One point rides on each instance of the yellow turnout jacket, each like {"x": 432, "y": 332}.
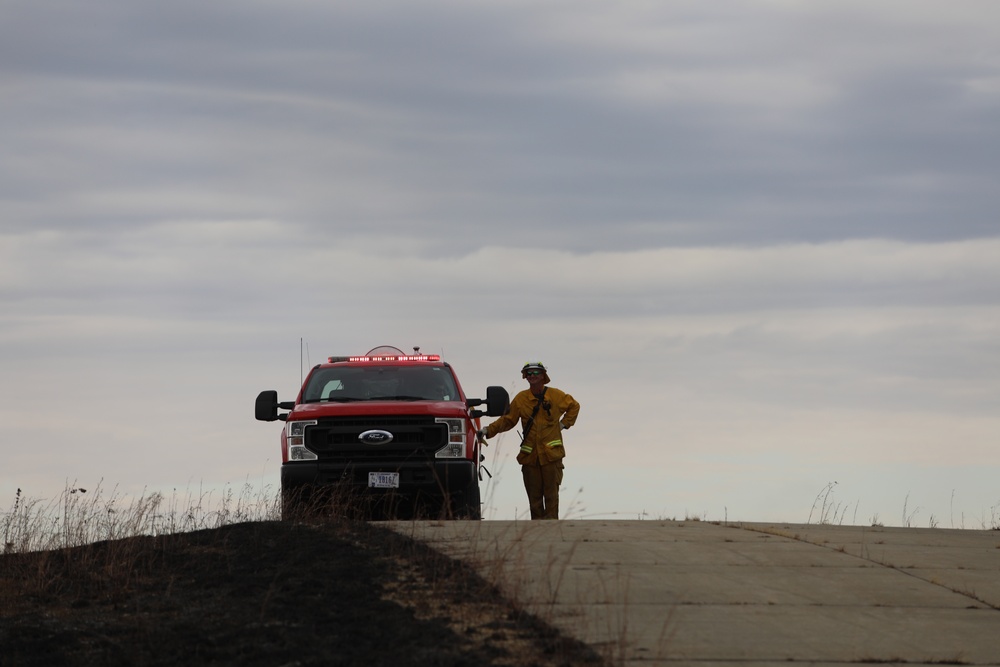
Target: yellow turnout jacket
{"x": 544, "y": 443}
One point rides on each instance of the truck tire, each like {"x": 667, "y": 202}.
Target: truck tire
{"x": 296, "y": 503}
{"x": 468, "y": 505}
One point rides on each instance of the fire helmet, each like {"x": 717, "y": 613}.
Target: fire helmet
{"x": 535, "y": 366}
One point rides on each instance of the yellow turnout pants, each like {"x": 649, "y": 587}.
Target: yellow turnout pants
{"x": 542, "y": 484}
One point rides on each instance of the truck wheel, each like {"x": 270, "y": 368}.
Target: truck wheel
{"x": 292, "y": 503}
{"x": 468, "y": 505}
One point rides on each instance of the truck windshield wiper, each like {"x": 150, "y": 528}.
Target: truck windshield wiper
{"x": 397, "y": 398}
{"x": 333, "y": 399}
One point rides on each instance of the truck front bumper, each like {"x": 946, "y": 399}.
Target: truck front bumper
{"x": 418, "y": 482}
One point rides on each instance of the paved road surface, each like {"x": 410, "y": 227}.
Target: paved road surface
{"x": 698, "y": 593}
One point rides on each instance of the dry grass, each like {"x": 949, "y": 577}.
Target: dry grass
{"x": 81, "y": 516}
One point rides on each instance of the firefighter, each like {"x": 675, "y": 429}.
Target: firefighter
{"x": 544, "y": 413}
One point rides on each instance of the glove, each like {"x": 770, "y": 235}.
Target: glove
{"x": 481, "y": 434}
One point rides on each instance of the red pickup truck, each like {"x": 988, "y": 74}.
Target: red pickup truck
{"x": 389, "y": 434}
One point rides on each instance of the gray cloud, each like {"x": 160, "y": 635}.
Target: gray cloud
{"x": 774, "y": 125}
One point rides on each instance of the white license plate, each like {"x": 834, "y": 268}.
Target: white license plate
{"x": 383, "y": 480}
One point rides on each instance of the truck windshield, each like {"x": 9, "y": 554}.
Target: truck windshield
{"x": 373, "y": 383}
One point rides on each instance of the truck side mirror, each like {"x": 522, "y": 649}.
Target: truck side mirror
{"x": 497, "y": 401}
{"x": 266, "y": 408}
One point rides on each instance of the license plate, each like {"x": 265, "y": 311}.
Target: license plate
{"x": 383, "y": 480}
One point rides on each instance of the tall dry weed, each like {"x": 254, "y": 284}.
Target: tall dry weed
{"x": 80, "y": 516}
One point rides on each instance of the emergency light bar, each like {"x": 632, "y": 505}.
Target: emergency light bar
{"x": 395, "y": 357}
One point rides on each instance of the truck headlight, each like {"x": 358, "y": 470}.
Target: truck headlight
{"x": 296, "y": 439}
{"x": 455, "y": 449}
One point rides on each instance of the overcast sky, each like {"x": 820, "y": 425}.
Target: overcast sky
{"x": 758, "y": 241}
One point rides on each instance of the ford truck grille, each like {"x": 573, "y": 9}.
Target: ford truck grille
{"x": 335, "y": 439}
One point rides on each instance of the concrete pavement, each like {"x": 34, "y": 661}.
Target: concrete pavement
{"x": 698, "y": 593}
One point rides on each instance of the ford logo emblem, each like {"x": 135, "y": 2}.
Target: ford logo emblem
{"x": 375, "y": 437}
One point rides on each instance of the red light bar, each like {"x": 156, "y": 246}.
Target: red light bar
{"x": 400, "y": 357}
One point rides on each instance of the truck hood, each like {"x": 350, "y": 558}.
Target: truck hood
{"x": 367, "y": 408}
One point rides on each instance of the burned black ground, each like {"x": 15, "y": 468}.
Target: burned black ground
{"x": 264, "y": 593}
